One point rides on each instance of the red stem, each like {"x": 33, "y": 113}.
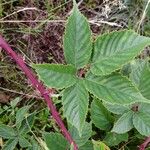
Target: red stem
{"x": 144, "y": 144}
{"x": 44, "y": 93}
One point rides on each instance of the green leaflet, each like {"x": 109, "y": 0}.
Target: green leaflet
{"x": 115, "y": 49}
{"x": 23, "y": 142}
{"x": 116, "y": 109}
{"x": 85, "y": 134}
{"x": 55, "y": 141}
{"x": 124, "y": 123}
{"x": 10, "y": 144}
{"x": 140, "y": 75}
{"x": 141, "y": 122}
{"x": 7, "y": 132}
{"x": 77, "y": 39}
{"x": 100, "y": 116}
{"x": 56, "y": 75}
{"x": 113, "y": 139}
{"x": 20, "y": 115}
{"x": 75, "y": 101}
{"x": 114, "y": 89}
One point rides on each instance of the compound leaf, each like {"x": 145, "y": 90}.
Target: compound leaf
{"x": 113, "y": 50}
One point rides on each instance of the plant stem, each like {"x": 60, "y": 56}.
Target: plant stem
{"x": 39, "y": 86}
{"x": 144, "y": 144}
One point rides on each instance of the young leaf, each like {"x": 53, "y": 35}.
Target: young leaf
{"x": 55, "y": 141}
{"x": 20, "y": 115}
{"x": 124, "y": 124}
{"x": 100, "y": 116}
{"x": 140, "y": 75}
{"x": 141, "y": 122}
{"x": 75, "y": 102}
{"x": 115, "y": 49}
{"x": 56, "y": 76}
{"x": 11, "y": 144}
{"x": 113, "y": 139}
{"x": 77, "y": 39}
{"x": 114, "y": 89}
{"x": 99, "y": 145}
{"x": 7, "y": 132}
{"x": 85, "y": 134}
{"x": 24, "y": 142}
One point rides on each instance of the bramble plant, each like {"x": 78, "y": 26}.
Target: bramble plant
{"x": 93, "y": 67}
{"x": 94, "y": 75}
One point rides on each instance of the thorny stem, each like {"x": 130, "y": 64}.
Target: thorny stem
{"x": 37, "y": 85}
{"x": 144, "y": 144}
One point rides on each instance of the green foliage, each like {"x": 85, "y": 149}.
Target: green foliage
{"x": 105, "y": 93}
{"x": 141, "y": 122}
{"x": 114, "y": 89}
{"x": 100, "y": 116}
{"x": 75, "y": 101}
{"x": 77, "y": 40}
{"x": 55, "y": 141}
{"x": 140, "y": 75}
{"x": 124, "y": 123}
{"x": 51, "y": 74}
{"x": 10, "y": 144}
{"x": 100, "y": 146}
{"x": 20, "y": 115}
{"x": 7, "y": 132}
{"x": 18, "y": 132}
{"x": 115, "y": 49}
{"x": 113, "y": 139}
{"x": 85, "y": 134}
